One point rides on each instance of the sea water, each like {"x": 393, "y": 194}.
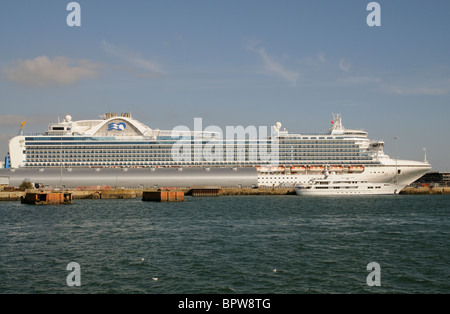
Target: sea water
{"x": 228, "y": 245}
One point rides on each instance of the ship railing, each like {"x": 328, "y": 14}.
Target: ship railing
{"x": 32, "y": 134}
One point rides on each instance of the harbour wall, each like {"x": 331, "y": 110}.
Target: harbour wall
{"x": 426, "y": 191}
{"x": 137, "y": 193}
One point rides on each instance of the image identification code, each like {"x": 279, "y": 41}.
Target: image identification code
{"x": 226, "y": 304}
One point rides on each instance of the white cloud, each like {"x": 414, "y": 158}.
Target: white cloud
{"x": 134, "y": 59}
{"x": 271, "y": 65}
{"x": 42, "y": 71}
{"x": 344, "y": 65}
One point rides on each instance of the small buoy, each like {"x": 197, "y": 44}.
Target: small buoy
{"x": 155, "y": 279}
{"x": 275, "y": 270}
{"x": 142, "y": 259}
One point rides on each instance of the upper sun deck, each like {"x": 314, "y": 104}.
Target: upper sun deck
{"x": 337, "y": 131}
{"x": 113, "y": 125}
{"x": 125, "y": 127}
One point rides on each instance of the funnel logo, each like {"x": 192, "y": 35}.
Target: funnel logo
{"x": 117, "y": 126}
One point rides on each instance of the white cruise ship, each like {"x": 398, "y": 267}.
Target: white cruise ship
{"x": 120, "y": 141}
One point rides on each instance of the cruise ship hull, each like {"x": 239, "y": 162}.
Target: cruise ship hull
{"x": 400, "y": 176}
{"x": 281, "y": 159}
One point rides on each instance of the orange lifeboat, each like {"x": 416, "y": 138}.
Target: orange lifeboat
{"x": 316, "y": 168}
{"x": 356, "y": 168}
{"x": 276, "y": 169}
{"x": 262, "y": 169}
{"x": 335, "y": 168}
{"x": 298, "y": 169}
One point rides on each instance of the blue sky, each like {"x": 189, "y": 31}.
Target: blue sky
{"x": 233, "y": 62}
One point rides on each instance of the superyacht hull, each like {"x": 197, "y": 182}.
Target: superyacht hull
{"x": 383, "y": 190}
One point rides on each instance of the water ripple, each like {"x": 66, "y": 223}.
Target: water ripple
{"x": 245, "y": 244}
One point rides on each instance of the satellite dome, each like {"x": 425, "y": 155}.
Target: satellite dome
{"x": 68, "y": 118}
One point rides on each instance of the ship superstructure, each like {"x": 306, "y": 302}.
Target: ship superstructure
{"x": 120, "y": 141}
